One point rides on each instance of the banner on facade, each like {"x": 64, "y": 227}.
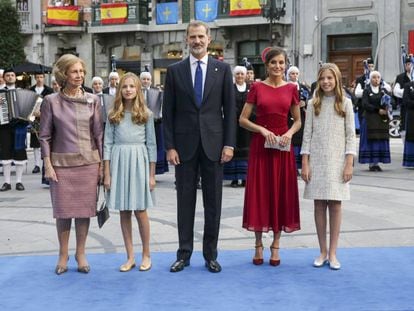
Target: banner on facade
{"x": 244, "y": 7}
{"x": 63, "y": 16}
{"x": 114, "y": 13}
{"x": 167, "y": 13}
{"x": 206, "y": 10}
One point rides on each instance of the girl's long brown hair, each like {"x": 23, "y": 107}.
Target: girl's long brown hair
{"x": 139, "y": 112}
{"x": 339, "y": 91}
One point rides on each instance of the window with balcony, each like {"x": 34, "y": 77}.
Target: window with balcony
{"x": 24, "y": 14}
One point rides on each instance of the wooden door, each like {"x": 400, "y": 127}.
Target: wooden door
{"x": 350, "y": 63}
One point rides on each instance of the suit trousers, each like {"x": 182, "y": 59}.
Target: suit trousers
{"x": 212, "y": 183}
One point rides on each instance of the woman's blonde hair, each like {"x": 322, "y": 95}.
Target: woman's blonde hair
{"x": 63, "y": 64}
{"x": 139, "y": 112}
{"x": 339, "y": 91}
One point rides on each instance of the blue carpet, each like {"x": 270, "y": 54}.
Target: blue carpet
{"x": 370, "y": 279}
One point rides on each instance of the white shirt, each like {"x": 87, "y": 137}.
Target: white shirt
{"x": 203, "y": 64}
{"x": 112, "y": 91}
{"x": 39, "y": 90}
{"x": 241, "y": 88}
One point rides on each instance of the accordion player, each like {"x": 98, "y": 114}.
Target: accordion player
{"x": 18, "y": 106}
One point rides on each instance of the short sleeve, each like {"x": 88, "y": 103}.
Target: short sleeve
{"x": 295, "y": 96}
{"x": 252, "y": 94}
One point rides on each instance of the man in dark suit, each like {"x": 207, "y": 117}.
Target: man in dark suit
{"x": 199, "y": 120}
{"x": 153, "y": 98}
{"x": 40, "y": 89}
{"x": 113, "y": 83}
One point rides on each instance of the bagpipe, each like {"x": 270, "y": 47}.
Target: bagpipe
{"x": 404, "y": 56}
{"x": 386, "y": 101}
{"x": 303, "y": 93}
{"x": 366, "y": 71}
{"x": 246, "y": 62}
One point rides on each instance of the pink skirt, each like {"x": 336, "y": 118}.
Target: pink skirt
{"x": 74, "y": 195}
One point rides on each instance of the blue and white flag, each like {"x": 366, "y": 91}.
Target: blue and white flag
{"x": 206, "y": 10}
{"x": 167, "y": 13}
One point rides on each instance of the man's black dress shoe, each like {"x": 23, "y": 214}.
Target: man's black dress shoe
{"x": 19, "y": 186}
{"x": 213, "y": 266}
{"x": 5, "y": 187}
{"x": 36, "y": 170}
{"x": 179, "y": 265}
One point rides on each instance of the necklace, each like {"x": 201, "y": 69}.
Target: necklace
{"x": 78, "y": 93}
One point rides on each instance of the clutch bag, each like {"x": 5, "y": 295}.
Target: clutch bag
{"x": 277, "y": 146}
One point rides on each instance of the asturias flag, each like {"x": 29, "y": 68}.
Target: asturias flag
{"x": 114, "y": 13}
{"x": 167, "y": 13}
{"x": 244, "y": 7}
{"x": 64, "y": 15}
{"x": 206, "y": 10}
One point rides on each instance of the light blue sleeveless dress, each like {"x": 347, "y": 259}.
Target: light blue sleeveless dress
{"x": 130, "y": 148}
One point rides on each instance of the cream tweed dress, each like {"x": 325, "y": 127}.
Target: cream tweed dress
{"x": 328, "y": 138}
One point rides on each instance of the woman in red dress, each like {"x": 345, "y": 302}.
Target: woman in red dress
{"x": 271, "y": 197}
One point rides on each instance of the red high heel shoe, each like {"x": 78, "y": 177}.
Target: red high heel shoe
{"x": 258, "y": 261}
{"x": 274, "y": 262}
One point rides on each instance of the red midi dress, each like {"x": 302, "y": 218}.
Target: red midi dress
{"x": 271, "y": 197}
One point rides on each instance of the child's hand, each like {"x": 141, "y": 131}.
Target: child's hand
{"x": 152, "y": 183}
{"x": 107, "y": 182}
{"x": 347, "y": 175}
{"x": 305, "y": 173}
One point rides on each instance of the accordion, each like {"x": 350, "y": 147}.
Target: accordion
{"x": 18, "y": 105}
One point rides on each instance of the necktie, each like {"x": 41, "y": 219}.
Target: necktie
{"x": 198, "y": 84}
{"x": 145, "y": 95}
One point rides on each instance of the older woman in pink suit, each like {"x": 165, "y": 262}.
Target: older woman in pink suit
{"x": 71, "y": 140}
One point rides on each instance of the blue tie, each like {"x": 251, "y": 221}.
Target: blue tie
{"x": 198, "y": 84}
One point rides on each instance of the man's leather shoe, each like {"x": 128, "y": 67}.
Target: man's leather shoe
{"x": 36, "y": 170}
{"x": 19, "y": 186}
{"x": 5, "y": 187}
{"x": 213, "y": 266}
{"x": 179, "y": 265}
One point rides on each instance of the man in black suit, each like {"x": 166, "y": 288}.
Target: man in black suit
{"x": 40, "y": 89}
{"x": 400, "y": 81}
{"x": 200, "y": 129}
{"x": 113, "y": 83}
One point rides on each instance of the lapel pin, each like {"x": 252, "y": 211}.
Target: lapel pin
{"x": 216, "y": 69}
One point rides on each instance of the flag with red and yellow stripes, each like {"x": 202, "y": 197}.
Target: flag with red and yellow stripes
{"x": 114, "y": 13}
{"x": 244, "y": 7}
{"x": 65, "y": 16}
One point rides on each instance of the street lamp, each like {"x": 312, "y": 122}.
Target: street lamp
{"x": 272, "y": 10}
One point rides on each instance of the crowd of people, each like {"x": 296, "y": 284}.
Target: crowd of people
{"x": 210, "y": 122}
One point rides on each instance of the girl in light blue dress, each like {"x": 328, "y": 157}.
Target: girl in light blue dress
{"x": 130, "y": 155}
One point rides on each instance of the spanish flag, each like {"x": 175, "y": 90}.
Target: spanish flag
{"x": 64, "y": 15}
{"x": 114, "y": 13}
{"x": 244, "y": 7}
